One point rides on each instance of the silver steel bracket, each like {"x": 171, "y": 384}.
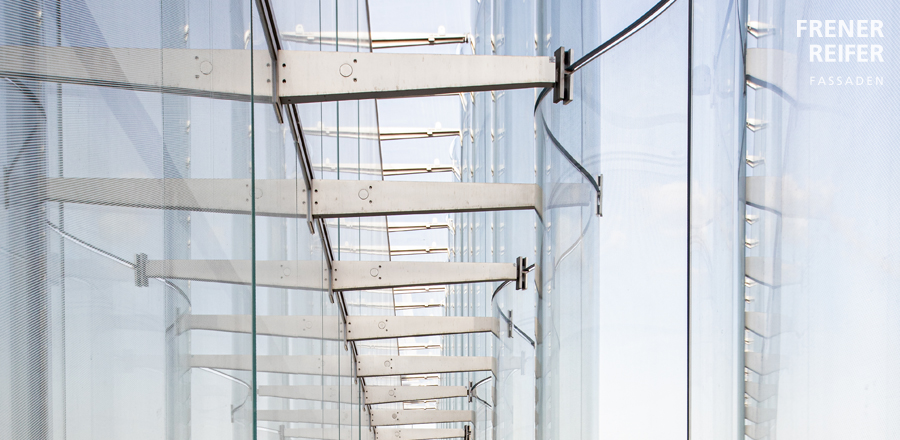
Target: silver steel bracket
{"x": 521, "y": 273}
{"x": 600, "y": 195}
{"x": 361, "y": 328}
{"x": 562, "y": 87}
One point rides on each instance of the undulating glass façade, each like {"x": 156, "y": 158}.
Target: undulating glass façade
{"x": 171, "y": 242}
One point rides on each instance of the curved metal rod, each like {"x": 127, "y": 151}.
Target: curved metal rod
{"x": 638, "y": 24}
{"x": 569, "y": 157}
{"x": 518, "y": 330}
{"x": 503, "y": 284}
{"x": 475, "y": 395}
{"x": 113, "y": 257}
{"x": 645, "y": 19}
{"x": 233, "y": 379}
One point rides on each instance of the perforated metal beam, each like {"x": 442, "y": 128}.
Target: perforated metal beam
{"x": 346, "y": 198}
{"x": 329, "y": 365}
{"x": 312, "y": 275}
{"x": 384, "y": 327}
{"x": 283, "y": 198}
{"x": 307, "y": 76}
{"x": 392, "y": 417}
{"x": 417, "y": 434}
{"x": 380, "y": 365}
{"x": 343, "y": 433}
{"x": 325, "y": 393}
{"x": 312, "y": 327}
{"x": 303, "y": 76}
{"x": 207, "y": 73}
{"x": 362, "y": 275}
{"x": 321, "y": 416}
{"x": 388, "y": 394}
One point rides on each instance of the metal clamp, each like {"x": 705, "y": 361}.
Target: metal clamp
{"x": 521, "y": 273}
{"x": 562, "y": 90}
{"x": 140, "y": 271}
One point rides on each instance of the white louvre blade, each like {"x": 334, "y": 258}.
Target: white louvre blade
{"x": 763, "y": 324}
{"x": 760, "y": 363}
{"x": 759, "y": 391}
{"x": 344, "y": 433}
{"x": 380, "y": 365}
{"x": 313, "y": 327}
{"x": 335, "y": 76}
{"x": 384, "y": 327}
{"x": 347, "y": 275}
{"x": 756, "y": 414}
{"x": 208, "y": 73}
{"x": 329, "y": 365}
{"x": 283, "y": 198}
{"x": 347, "y": 198}
{"x": 393, "y": 417}
{"x": 362, "y": 275}
{"x": 310, "y": 392}
{"x": 307, "y": 275}
{"x": 417, "y": 434}
{"x": 387, "y": 394}
{"x": 323, "y": 416}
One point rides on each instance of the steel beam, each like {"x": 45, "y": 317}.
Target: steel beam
{"x": 312, "y": 275}
{"x": 361, "y": 328}
{"x": 318, "y": 416}
{"x": 417, "y": 434}
{"x": 388, "y": 394}
{"x": 327, "y": 393}
{"x": 311, "y": 327}
{"x": 285, "y": 198}
{"x": 363, "y": 198}
{"x": 343, "y": 433}
{"x": 306, "y": 275}
{"x": 303, "y": 76}
{"x": 307, "y": 76}
{"x": 388, "y": 365}
{"x": 365, "y": 275}
{"x": 394, "y": 417}
{"x": 329, "y": 365}
{"x": 207, "y": 73}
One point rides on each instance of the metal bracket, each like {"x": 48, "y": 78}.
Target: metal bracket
{"x": 386, "y": 327}
{"x": 521, "y": 273}
{"x": 470, "y": 392}
{"x": 469, "y": 434}
{"x": 562, "y": 88}
{"x": 140, "y": 271}
{"x": 509, "y": 325}
{"x": 600, "y": 195}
